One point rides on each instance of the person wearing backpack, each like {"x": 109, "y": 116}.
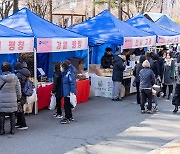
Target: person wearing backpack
{"x": 23, "y": 74}
{"x": 10, "y": 92}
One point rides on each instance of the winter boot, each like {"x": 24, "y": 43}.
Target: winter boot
{"x": 2, "y": 121}
{"x": 12, "y": 122}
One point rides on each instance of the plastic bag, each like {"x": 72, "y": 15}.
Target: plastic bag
{"x": 52, "y": 105}
{"x": 28, "y": 108}
{"x": 33, "y": 98}
{"x": 73, "y": 100}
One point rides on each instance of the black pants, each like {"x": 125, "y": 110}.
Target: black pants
{"x": 138, "y": 97}
{"x": 20, "y": 114}
{"x": 146, "y": 94}
{"x": 170, "y": 87}
{"x": 176, "y": 97}
{"x": 67, "y": 107}
{"x": 58, "y": 105}
{"x": 12, "y": 120}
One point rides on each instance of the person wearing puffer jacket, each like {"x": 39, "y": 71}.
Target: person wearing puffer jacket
{"x": 10, "y": 92}
{"x": 176, "y": 97}
{"x": 147, "y": 80}
{"x": 69, "y": 87}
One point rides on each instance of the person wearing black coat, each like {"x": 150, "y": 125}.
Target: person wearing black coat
{"x": 57, "y": 90}
{"x": 107, "y": 59}
{"x": 136, "y": 71}
{"x": 156, "y": 66}
{"x": 117, "y": 77}
{"x": 23, "y": 74}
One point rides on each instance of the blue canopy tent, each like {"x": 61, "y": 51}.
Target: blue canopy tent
{"x": 29, "y": 23}
{"x": 141, "y": 22}
{"x": 48, "y": 37}
{"x": 9, "y": 37}
{"x": 167, "y": 23}
{"x": 105, "y": 28}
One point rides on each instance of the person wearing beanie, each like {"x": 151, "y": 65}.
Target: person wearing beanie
{"x": 176, "y": 97}
{"x": 136, "y": 71}
{"x": 147, "y": 80}
{"x": 10, "y": 92}
{"x": 23, "y": 74}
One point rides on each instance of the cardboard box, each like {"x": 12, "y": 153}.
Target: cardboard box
{"x": 78, "y": 63}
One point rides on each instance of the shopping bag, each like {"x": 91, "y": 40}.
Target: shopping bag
{"x": 52, "y": 105}
{"x": 28, "y": 108}
{"x": 33, "y": 98}
{"x": 73, "y": 100}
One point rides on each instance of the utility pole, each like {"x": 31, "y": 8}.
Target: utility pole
{"x": 120, "y": 9}
{"x": 15, "y": 6}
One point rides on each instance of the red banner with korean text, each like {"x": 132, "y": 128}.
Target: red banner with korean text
{"x": 16, "y": 45}
{"x": 138, "y": 42}
{"x": 169, "y": 39}
{"x": 61, "y": 44}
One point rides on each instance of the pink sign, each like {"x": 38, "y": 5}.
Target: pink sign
{"x": 168, "y": 39}
{"x": 61, "y": 45}
{"x": 16, "y": 45}
{"x": 137, "y": 42}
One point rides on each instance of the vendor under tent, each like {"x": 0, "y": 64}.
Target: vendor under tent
{"x": 167, "y": 23}
{"x": 164, "y": 36}
{"x": 106, "y": 28}
{"x": 48, "y": 37}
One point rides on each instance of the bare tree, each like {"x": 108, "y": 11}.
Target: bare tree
{"x": 5, "y": 7}
{"x": 39, "y": 7}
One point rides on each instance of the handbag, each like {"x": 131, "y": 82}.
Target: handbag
{"x": 52, "y": 105}
{"x": 33, "y": 98}
{"x": 73, "y": 100}
{"x": 28, "y": 108}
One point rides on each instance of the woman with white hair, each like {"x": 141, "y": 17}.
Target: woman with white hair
{"x": 147, "y": 80}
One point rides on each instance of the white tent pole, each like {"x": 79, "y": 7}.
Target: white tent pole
{"x": 35, "y": 79}
{"x": 121, "y": 48}
{"x": 88, "y": 60}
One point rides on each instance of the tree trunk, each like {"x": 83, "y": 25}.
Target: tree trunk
{"x": 120, "y": 9}
{"x": 109, "y": 5}
{"x": 93, "y": 8}
{"x": 15, "y": 6}
{"x": 162, "y": 3}
{"x": 50, "y": 10}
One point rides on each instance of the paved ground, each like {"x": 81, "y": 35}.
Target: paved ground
{"x": 100, "y": 127}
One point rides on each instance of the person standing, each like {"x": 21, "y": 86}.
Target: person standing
{"x": 136, "y": 71}
{"x": 117, "y": 77}
{"x": 69, "y": 87}
{"x": 107, "y": 59}
{"x": 169, "y": 75}
{"x": 10, "y": 92}
{"x": 23, "y": 74}
{"x": 147, "y": 80}
{"x": 57, "y": 90}
{"x": 176, "y": 97}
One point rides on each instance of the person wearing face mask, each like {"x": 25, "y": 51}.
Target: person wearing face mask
{"x": 69, "y": 86}
{"x": 169, "y": 75}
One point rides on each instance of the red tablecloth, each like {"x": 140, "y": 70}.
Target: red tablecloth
{"x": 44, "y": 93}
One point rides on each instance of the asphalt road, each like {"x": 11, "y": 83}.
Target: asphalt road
{"x": 100, "y": 127}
